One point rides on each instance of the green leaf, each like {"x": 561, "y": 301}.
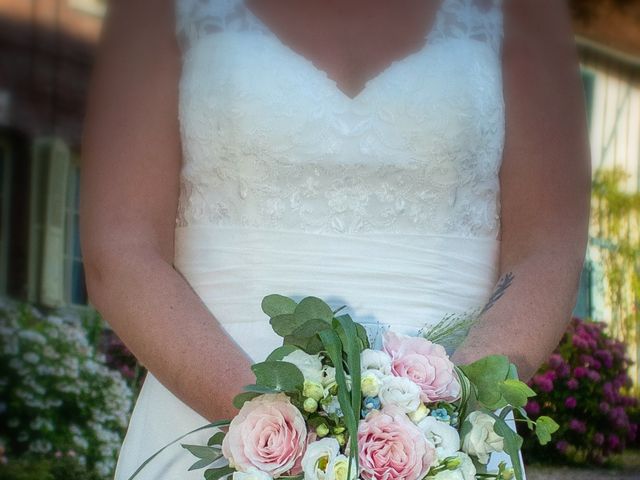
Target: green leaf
{"x": 310, "y": 328}
{"x": 240, "y": 399}
{"x": 260, "y": 389}
{"x": 512, "y": 444}
{"x": 285, "y": 324}
{"x": 311, "y": 345}
{"x": 203, "y": 462}
{"x": 362, "y": 335}
{"x": 513, "y": 372}
{"x": 216, "y": 439}
{"x": 201, "y": 451}
{"x": 352, "y": 349}
{"x": 545, "y": 426}
{"x": 334, "y": 349}
{"x": 274, "y": 305}
{"x": 530, "y": 423}
{"x": 313, "y": 307}
{"x": 486, "y": 375}
{"x": 281, "y": 352}
{"x": 281, "y": 376}
{"x": 220, "y": 423}
{"x": 516, "y": 392}
{"x": 216, "y": 473}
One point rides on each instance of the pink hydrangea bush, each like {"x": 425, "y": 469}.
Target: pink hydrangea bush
{"x": 584, "y": 386}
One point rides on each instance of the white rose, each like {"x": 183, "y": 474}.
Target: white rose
{"x": 318, "y": 457}
{"x": 338, "y": 469}
{"x": 466, "y": 470}
{"x": 482, "y": 440}
{"x": 251, "y": 474}
{"x": 442, "y": 435}
{"x": 309, "y": 365}
{"x": 375, "y": 360}
{"x": 371, "y": 382}
{"x": 400, "y": 391}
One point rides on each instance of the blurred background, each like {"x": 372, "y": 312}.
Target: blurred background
{"x": 67, "y": 384}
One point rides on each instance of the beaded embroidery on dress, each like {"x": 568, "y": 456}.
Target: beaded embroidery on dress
{"x": 387, "y": 201}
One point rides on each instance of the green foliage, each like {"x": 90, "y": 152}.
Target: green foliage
{"x": 616, "y": 221}
{"x": 35, "y": 468}
{"x": 60, "y": 398}
{"x": 584, "y": 387}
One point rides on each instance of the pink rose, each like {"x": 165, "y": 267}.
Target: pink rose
{"x": 392, "y": 447}
{"x": 426, "y": 364}
{"x": 268, "y": 433}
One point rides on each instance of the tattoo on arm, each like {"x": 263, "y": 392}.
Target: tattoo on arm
{"x": 501, "y": 287}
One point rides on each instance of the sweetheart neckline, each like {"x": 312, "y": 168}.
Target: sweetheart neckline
{"x": 361, "y": 94}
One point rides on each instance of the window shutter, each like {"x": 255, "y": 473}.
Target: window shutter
{"x": 53, "y": 259}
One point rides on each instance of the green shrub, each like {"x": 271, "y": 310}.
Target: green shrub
{"x": 583, "y": 386}
{"x": 58, "y": 396}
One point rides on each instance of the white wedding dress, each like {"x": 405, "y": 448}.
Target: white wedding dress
{"x": 387, "y": 202}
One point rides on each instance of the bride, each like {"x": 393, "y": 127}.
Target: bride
{"x": 403, "y": 158}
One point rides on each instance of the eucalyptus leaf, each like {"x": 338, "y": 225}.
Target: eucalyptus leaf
{"x": 216, "y": 473}
{"x": 203, "y": 462}
{"x": 285, "y": 324}
{"x": 486, "y": 375}
{"x": 313, "y": 307}
{"x": 260, "y": 389}
{"x": 216, "y": 439}
{"x": 281, "y": 376}
{"x": 310, "y": 328}
{"x": 281, "y": 352}
{"x": 310, "y": 345}
{"x": 240, "y": 399}
{"x": 200, "y": 451}
{"x": 274, "y": 305}
{"x": 515, "y": 392}
{"x": 545, "y": 426}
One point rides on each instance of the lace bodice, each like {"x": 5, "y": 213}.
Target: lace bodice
{"x": 270, "y": 140}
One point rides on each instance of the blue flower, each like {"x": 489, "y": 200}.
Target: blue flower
{"x": 441, "y": 414}
{"x": 370, "y": 403}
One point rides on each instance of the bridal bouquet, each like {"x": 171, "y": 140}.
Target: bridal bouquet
{"x": 328, "y": 406}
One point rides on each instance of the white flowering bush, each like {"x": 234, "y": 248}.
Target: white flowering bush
{"x": 57, "y": 396}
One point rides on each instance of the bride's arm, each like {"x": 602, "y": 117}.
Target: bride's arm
{"x": 131, "y": 157}
{"x": 545, "y": 189}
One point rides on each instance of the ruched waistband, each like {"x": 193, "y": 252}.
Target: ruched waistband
{"x": 403, "y": 280}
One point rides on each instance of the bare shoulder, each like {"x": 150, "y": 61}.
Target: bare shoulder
{"x": 131, "y": 151}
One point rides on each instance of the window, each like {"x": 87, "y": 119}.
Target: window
{"x": 5, "y": 199}
{"x": 76, "y": 290}
{"x": 588, "y": 84}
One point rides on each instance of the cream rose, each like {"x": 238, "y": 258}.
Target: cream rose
{"x": 442, "y": 435}
{"x": 400, "y": 392}
{"x": 318, "y": 457}
{"x": 375, "y": 360}
{"x": 481, "y": 441}
{"x": 309, "y": 365}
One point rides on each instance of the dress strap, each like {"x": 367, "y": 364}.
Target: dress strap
{"x": 198, "y": 18}
{"x": 480, "y": 20}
